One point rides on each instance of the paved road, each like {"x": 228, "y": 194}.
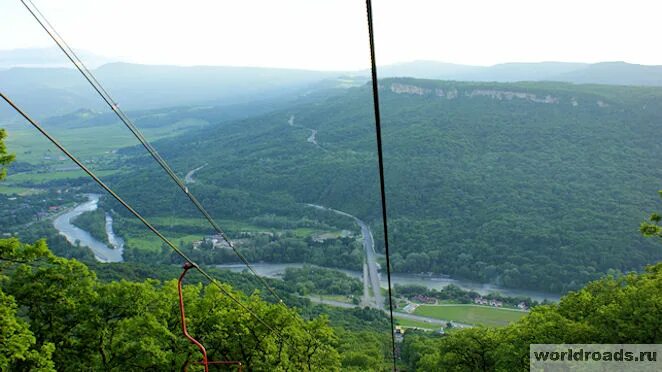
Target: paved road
{"x": 371, "y": 260}
{"x": 313, "y": 132}
{"x": 366, "y": 286}
{"x": 188, "y": 179}
{"x": 334, "y": 303}
{"x": 312, "y": 139}
{"x": 376, "y": 300}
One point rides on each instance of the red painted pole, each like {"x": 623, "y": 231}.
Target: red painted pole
{"x": 205, "y": 363}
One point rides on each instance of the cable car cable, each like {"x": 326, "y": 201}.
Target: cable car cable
{"x": 153, "y": 229}
{"x": 73, "y": 57}
{"x": 380, "y": 156}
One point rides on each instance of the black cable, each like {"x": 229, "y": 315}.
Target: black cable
{"x": 378, "y": 132}
{"x": 87, "y": 74}
{"x": 138, "y": 215}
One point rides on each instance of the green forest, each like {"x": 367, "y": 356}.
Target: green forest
{"x": 612, "y": 310}
{"x": 525, "y": 185}
{"x": 75, "y": 322}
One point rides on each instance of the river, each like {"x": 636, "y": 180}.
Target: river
{"x": 373, "y": 280}
{"x": 104, "y": 253}
{"x": 73, "y": 234}
{"x": 276, "y": 270}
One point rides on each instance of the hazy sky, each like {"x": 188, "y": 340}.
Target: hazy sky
{"x": 332, "y": 34}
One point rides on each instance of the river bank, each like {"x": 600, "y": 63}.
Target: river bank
{"x": 104, "y": 253}
{"x": 75, "y": 235}
{"x": 276, "y": 270}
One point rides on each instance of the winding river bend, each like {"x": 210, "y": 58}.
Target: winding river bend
{"x": 73, "y": 234}
{"x": 104, "y": 253}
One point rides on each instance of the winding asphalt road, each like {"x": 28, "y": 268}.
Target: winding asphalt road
{"x": 313, "y": 132}
{"x": 371, "y": 280}
{"x": 188, "y": 179}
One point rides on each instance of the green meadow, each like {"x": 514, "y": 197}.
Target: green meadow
{"x": 471, "y": 314}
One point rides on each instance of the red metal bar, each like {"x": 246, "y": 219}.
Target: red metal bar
{"x": 187, "y": 266}
{"x": 205, "y": 362}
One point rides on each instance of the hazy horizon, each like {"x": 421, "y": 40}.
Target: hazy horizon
{"x": 109, "y": 59}
{"x": 332, "y": 35}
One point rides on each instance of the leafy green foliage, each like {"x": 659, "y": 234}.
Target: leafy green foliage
{"x": 17, "y": 343}
{"x": 18, "y": 349}
{"x": 480, "y": 186}
{"x": 93, "y": 222}
{"x": 135, "y": 326}
{"x": 5, "y": 158}
{"x": 652, "y": 227}
{"x": 319, "y": 280}
{"x": 612, "y": 310}
{"x": 453, "y": 293}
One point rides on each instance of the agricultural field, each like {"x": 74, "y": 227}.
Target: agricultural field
{"x": 89, "y": 142}
{"x": 471, "y": 314}
{"x": 20, "y": 191}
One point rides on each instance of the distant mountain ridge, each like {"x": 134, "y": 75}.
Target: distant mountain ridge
{"x": 48, "y": 92}
{"x": 47, "y": 57}
{"x": 610, "y": 73}
{"x": 537, "y": 185}
{"x": 55, "y": 88}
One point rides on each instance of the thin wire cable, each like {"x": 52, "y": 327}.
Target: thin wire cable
{"x": 211, "y": 279}
{"x": 378, "y": 132}
{"x": 87, "y": 74}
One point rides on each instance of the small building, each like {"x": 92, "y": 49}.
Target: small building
{"x": 424, "y": 299}
{"x": 496, "y": 303}
{"x": 481, "y": 301}
{"x": 215, "y": 241}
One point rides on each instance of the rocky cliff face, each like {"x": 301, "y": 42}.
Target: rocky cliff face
{"x": 453, "y": 93}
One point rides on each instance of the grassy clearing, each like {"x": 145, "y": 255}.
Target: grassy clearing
{"x": 20, "y": 191}
{"x": 408, "y": 323}
{"x": 153, "y": 243}
{"x": 339, "y": 298}
{"x": 471, "y": 314}
{"x": 19, "y": 178}
{"x": 86, "y": 142}
{"x": 302, "y": 232}
{"x": 228, "y": 225}
{"x": 136, "y": 237}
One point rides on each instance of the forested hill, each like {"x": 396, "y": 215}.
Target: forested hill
{"x": 535, "y": 185}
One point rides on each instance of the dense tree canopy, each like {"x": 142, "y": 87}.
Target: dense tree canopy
{"x": 534, "y": 185}
{"x": 5, "y": 158}
{"x": 70, "y": 321}
{"x": 652, "y": 227}
{"x": 624, "y": 309}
